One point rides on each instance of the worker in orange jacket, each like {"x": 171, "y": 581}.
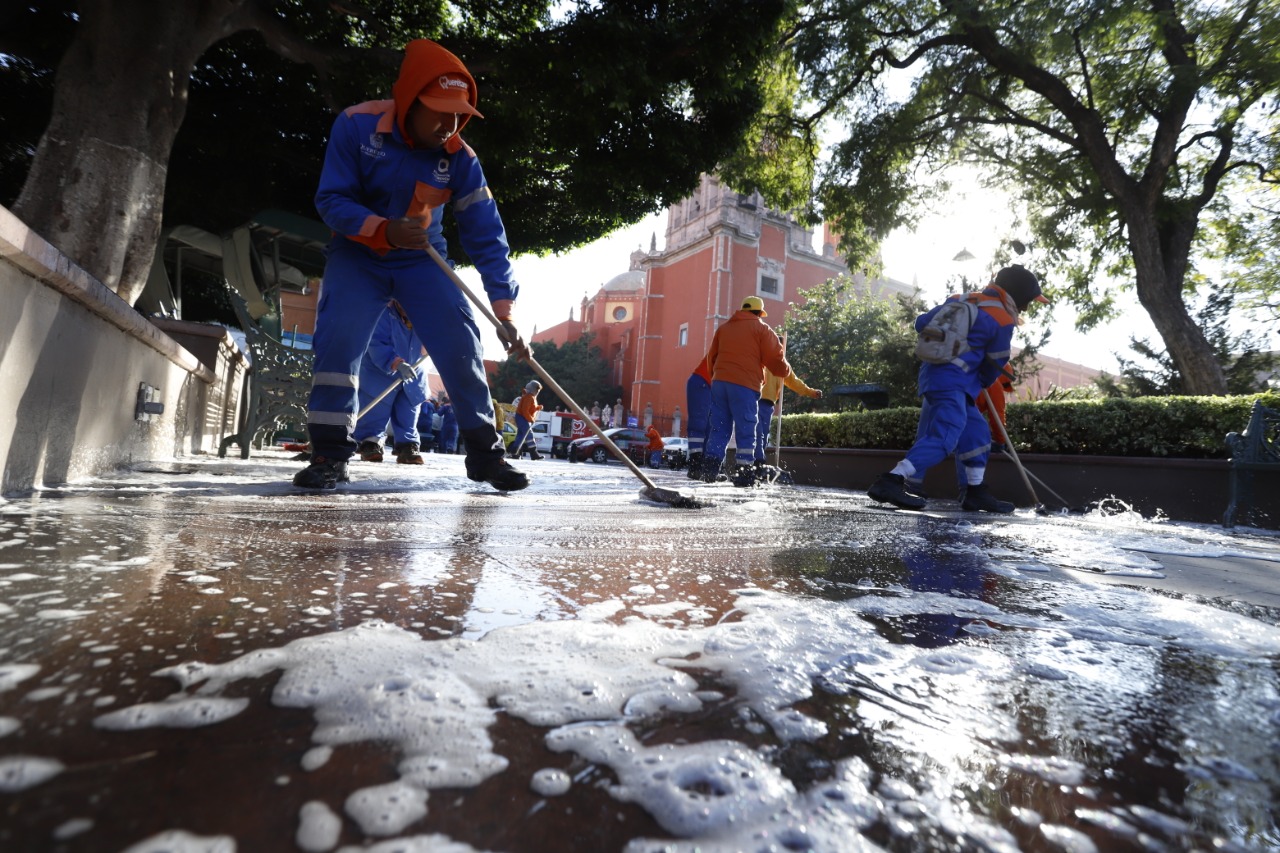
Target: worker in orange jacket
{"x": 741, "y": 350}
{"x": 526, "y": 412}
{"x": 655, "y": 446}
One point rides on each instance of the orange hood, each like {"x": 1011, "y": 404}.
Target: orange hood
{"x": 424, "y": 63}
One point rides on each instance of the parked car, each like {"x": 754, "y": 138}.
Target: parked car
{"x": 541, "y": 440}
{"x": 675, "y": 451}
{"x": 593, "y": 448}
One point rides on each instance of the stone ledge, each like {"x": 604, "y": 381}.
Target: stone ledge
{"x": 30, "y": 252}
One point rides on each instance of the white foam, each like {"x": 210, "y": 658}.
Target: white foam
{"x": 13, "y": 674}
{"x": 73, "y": 827}
{"x": 62, "y": 615}
{"x": 1055, "y": 769}
{"x": 181, "y": 841}
{"x": 387, "y": 809}
{"x": 318, "y": 827}
{"x": 698, "y": 790}
{"x": 415, "y": 844}
{"x": 550, "y": 782}
{"x": 20, "y": 772}
{"x": 182, "y": 712}
{"x": 316, "y": 757}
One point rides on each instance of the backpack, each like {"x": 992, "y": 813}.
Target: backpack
{"x": 946, "y": 337}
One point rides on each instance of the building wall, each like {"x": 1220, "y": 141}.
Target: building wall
{"x": 721, "y": 248}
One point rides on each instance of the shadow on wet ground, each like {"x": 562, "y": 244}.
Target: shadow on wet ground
{"x": 194, "y": 655}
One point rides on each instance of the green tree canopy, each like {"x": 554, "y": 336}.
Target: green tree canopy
{"x": 597, "y": 113}
{"x": 840, "y": 336}
{"x": 1118, "y": 126}
{"x": 579, "y": 367}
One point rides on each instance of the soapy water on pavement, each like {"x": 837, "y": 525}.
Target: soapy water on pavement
{"x": 592, "y": 679}
{"x": 435, "y": 701}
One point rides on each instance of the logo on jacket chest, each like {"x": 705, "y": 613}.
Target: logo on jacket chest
{"x": 441, "y": 173}
{"x": 373, "y": 148}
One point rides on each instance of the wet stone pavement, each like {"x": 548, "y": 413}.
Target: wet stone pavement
{"x": 194, "y": 656}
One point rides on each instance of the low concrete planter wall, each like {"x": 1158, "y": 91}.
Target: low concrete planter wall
{"x": 1182, "y": 489}
{"x": 73, "y": 357}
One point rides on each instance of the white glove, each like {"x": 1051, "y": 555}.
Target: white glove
{"x": 406, "y": 371}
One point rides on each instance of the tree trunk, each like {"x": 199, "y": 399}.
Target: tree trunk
{"x": 1160, "y": 269}
{"x": 96, "y": 185}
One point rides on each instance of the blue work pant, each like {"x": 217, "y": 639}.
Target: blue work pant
{"x": 764, "y": 418}
{"x": 524, "y": 427}
{"x": 734, "y": 410}
{"x": 697, "y": 398}
{"x": 949, "y": 424}
{"x": 399, "y": 409}
{"x": 357, "y": 286}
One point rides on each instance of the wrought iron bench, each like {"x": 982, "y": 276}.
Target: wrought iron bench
{"x": 279, "y": 382}
{"x": 1254, "y": 451}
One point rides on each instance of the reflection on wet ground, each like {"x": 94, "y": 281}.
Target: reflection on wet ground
{"x": 198, "y": 655}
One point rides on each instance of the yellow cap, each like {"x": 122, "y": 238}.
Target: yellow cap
{"x": 754, "y": 303}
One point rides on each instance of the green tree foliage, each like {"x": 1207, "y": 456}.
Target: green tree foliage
{"x": 1154, "y": 374}
{"x": 840, "y": 336}
{"x": 578, "y": 366}
{"x": 1246, "y": 242}
{"x": 596, "y": 113}
{"x": 1119, "y": 125}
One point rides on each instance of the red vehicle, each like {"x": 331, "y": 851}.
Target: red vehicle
{"x": 562, "y": 428}
{"x": 591, "y": 447}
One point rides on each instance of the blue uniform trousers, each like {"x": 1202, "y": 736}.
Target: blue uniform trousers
{"x": 357, "y": 286}
{"x": 399, "y": 409}
{"x": 524, "y": 427}
{"x": 950, "y": 423}
{"x": 734, "y": 409}
{"x": 764, "y": 417}
{"x": 697, "y": 397}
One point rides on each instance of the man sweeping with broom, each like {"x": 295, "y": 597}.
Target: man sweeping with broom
{"x": 390, "y": 168}
{"x": 962, "y": 356}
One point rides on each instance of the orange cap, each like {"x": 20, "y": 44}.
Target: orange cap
{"x": 449, "y": 93}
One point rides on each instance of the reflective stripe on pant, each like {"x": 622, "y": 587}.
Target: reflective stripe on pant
{"x": 949, "y": 423}
{"x": 733, "y": 410}
{"x": 697, "y": 397}
{"x": 357, "y": 286}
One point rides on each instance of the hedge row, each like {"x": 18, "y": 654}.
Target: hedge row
{"x": 1186, "y": 427}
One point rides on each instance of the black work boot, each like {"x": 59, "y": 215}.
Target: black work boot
{"x": 979, "y": 498}
{"x": 744, "y": 476}
{"x": 766, "y": 473}
{"x": 709, "y": 470}
{"x": 891, "y": 489}
{"x": 322, "y": 473}
{"x": 407, "y": 454}
{"x": 370, "y": 451}
{"x": 695, "y": 466}
{"x": 487, "y": 461}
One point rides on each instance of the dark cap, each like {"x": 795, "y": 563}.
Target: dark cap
{"x": 1021, "y": 284}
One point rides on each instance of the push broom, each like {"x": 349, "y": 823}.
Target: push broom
{"x": 651, "y": 491}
